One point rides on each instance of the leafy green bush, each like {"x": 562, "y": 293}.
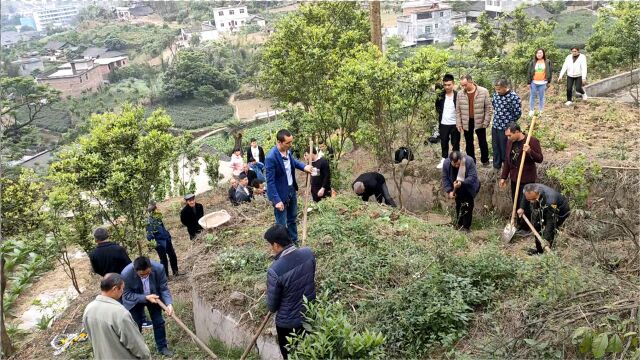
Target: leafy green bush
{"x": 575, "y": 178}
{"x": 247, "y": 259}
{"x": 579, "y": 34}
{"x": 330, "y": 335}
{"x": 607, "y": 338}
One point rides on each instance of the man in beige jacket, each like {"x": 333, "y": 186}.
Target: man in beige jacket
{"x": 113, "y": 333}
{"x": 473, "y": 114}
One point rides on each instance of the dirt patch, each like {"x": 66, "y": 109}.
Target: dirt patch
{"x": 247, "y": 109}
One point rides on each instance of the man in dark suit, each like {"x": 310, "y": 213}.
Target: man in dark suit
{"x": 281, "y": 182}
{"x": 190, "y": 214}
{"x": 460, "y": 182}
{"x": 164, "y": 246}
{"x": 255, "y": 152}
{"x": 145, "y": 282}
{"x": 373, "y": 183}
{"x": 107, "y": 257}
{"x": 320, "y": 179}
{"x": 251, "y": 175}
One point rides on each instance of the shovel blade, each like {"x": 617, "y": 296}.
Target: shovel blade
{"x": 508, "y": 232}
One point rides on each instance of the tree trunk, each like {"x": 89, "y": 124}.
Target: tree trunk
{"x": 7, "y": 348}
{"x": 376, "y": 23}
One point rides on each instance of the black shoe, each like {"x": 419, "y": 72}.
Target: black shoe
{"x": 177, "y": 273}
{"x": 434, "y": 139}
{"x": 523, "y": 233}
{"x": 465, "y": 230}
{"x": 533, "y": 252}
{"x": 166, "y": 352}
{"x": 485, "y": 164}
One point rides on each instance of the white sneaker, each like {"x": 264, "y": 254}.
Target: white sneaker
{"x": 440, "y": 164}
{"x": 568, "y": 103}
{"x": 531, "y": 112}
{"x": 584, "y": 96}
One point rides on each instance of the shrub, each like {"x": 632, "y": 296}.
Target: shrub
{"x": 330, "y": 335}
{"x": 575, "y": 178}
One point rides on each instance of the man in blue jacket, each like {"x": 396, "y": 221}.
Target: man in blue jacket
{"x": 281, "y": 182}
{"x": 290, "y": 277}
{"x": 145, "y": 283}
{"x": 164, "y": 247}
{"x": 460, "y": 182}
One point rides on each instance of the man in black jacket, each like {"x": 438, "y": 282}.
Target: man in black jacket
{"x": 373, "y": 183}
{"x": 290, "y": 277}
{"x": 321, "y": 178}
{"x": 255, "y": 153}
{"x": 549, "y": 210}
{"x": 233, "y": 185}
{"x": 107, "y": 257}
{"x": 190, "y": 214}
{"x": 446, "y": 108}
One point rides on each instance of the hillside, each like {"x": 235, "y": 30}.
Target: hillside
{"x": 427, "y": 288}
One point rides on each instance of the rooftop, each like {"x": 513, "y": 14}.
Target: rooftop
{"x": 27, "y": 61}
{"x": 104, "y": 61}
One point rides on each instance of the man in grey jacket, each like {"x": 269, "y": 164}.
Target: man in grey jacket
{"x": 113, "y": 333}
{"x": 145, "y": 282}
{"x": 290, "y": 278}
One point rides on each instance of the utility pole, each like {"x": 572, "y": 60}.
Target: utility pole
{"x": 376, "y": 24}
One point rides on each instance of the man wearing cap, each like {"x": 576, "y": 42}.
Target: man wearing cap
{"x": 243, "y": 194}
{"x": 164, "y": 247}
{"x": 290, "y": 277}
{"x": 190, "y": 214}
{"x": 281, "y": 182}
{"x": 107, "y": 257}
{"x": 113, "y": 333}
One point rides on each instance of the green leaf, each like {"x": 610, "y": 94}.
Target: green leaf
{"x": 615, "y": 344}
{"x": 599, "y": 346}
{"x": 579, "y": 332}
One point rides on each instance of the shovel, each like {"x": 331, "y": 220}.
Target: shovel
{"x": 544, "y": 242}
{"x": 256, "y": 336}
{"x": 193, "y": 336}
{"x": 510, "y": 229}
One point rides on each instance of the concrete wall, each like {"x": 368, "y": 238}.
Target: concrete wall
{"x": 213, "y": 323}
{"x": 614, "y": 83}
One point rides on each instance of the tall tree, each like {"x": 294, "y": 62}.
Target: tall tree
{"x": 118, "y": 165}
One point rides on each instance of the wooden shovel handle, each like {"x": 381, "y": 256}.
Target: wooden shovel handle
{"x": 184, "y": 327}
{"x": 307, "y": 191}
{"x": 256, "y": 336}
{"x": 524, "y": 154}
{"x": 535, "y": 232}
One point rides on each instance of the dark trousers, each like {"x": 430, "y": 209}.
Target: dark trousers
{"x": 571, "y": 82}
{"x": 482, "y": 142}
{"x": 163, "y": 252}
{"x": 282, "y": 338}
{"x": 538, "y": 227}
{"x": 159, "y": 333}
{"x": 289, "y": 215}
{"x": 385, "y": 196}
{"x": 499, "y": 143}
{"x": 464, "y": 207}
{"x": 193, "y": 233}
{"x": 527, "y": 210}
{"x": 314, "y": 194}
{"x": 446, "y": 132}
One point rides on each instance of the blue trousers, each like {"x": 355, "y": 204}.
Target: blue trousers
{"x": 539, "y": 90}
{"x": 159, "y": 333}
{"x": 289, "y": 215}
{"x": 499, "y": 142}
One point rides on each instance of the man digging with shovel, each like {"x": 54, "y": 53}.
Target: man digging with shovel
{"x": 460, "y": 181}
{"x": 549, "y": 210}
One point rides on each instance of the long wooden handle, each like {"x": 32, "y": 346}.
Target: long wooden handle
{"x": 307, "y": 191}
{"x": 524, "y": 154}
{"x": 535, "y": 232}
{"x": 184, "y": 327}
{"x": 256, "y": 336}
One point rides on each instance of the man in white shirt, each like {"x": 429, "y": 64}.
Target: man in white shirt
{"x": 446, "y": 108}
{"x": 575, "y": 65}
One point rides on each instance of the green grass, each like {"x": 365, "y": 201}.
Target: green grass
{"x": 194, "y": 114}
{"x": 579, "y": 36}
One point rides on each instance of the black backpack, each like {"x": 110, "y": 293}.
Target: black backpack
{"x": 403, "y": 153}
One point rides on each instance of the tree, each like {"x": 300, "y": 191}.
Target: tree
{"x": 302, "y": 54}
{"x": 118, "y": 165}
{"x": 22, "y": 102}
{"x": 191, "y": 70}
{"x": 195, "y": 40}
{"x": 616, "y": 41}
{"x": 462, "y": 40}
{"x": 488, "y": 38}
{"x": 114, "y": 42}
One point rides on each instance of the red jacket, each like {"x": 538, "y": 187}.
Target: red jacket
{"x": 512, "y": 162}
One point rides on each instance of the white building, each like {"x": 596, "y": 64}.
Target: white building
{"x": 425, "y": 22}
{"x": 496, "y": 7}
{"x": 230, "y": 18}
{"x": 58, "y": 16}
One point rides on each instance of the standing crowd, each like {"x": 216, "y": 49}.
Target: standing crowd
{"x": 115, "y": 319}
